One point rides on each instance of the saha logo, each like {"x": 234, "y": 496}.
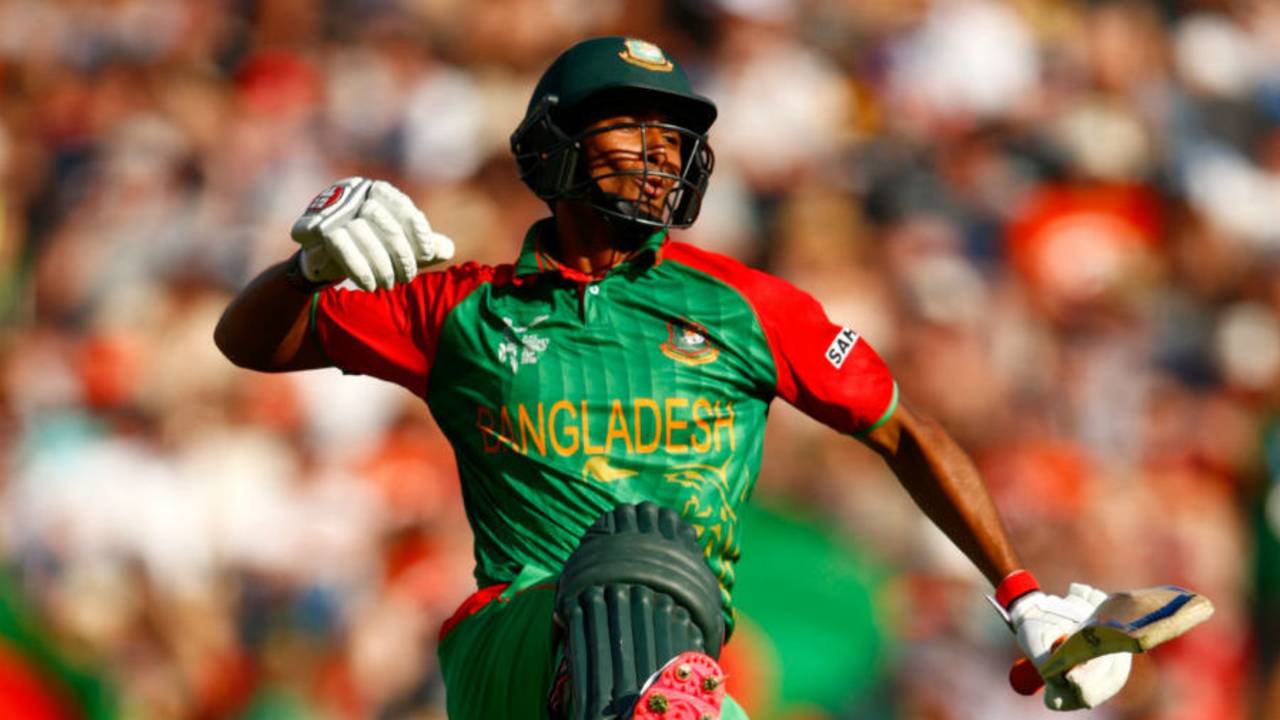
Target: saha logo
{"x": 840, "y": 347}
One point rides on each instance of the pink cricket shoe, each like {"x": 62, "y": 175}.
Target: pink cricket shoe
{"x": 689, "y": 687}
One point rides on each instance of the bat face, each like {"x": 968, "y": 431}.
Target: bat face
{"x": 1133, "y": 621}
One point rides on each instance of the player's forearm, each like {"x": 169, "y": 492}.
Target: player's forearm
{"x": 265, "y": 325}
{"x": 946, "y": 485}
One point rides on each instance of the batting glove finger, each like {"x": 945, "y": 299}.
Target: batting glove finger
{"x": 318, "y": 266}
{"x": 1079, "y": 592}
{"x": 343, "y": 248}
{"x": 392, "y": 237}
{"x": 438, "y": 249}
{"x": 380, "y": 262}
{"x": 430, "y": 247}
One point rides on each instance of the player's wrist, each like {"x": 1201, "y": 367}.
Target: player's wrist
{"x": 1015, "y": 586}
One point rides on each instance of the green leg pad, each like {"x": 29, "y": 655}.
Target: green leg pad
{"x": 635, "y": 593}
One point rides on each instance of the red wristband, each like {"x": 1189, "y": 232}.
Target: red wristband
{"x": 1014, "y": 586}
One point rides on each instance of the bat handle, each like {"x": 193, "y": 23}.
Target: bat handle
{"x": 1024, "y": 678}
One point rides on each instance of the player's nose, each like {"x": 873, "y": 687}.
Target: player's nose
{"x": 658, "y": 146}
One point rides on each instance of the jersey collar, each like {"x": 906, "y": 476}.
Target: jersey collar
{"x": 535, "y": 260}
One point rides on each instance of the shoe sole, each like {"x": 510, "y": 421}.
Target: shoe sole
{"x": 689, "y": 687}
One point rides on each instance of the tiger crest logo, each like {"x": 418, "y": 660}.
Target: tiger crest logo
{"x": 688, "y": 343}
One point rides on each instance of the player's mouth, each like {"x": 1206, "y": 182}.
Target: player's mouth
{"x": 655, "y": 186}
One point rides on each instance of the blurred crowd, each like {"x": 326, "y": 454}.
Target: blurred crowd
{"x": 1059, "y": 221}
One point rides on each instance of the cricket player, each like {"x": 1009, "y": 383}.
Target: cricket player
{"x": 605, "y": 395}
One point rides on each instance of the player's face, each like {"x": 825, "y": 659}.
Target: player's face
{"x": 617, "y": 158}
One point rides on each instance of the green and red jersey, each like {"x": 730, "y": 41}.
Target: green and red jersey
{"x": 564, "y": 396}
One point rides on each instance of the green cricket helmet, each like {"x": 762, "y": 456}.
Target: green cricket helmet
{"x": 614, "y": 75}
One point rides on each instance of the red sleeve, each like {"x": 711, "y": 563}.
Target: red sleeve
{"x": 827, "y": 371}
{"x": 392, "y": 334}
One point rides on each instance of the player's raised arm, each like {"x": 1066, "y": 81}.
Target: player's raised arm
{"x": 364, "y": 230}
{"x": 265, "y": 325}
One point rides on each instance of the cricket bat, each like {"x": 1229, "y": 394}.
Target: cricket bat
{"x": 1133, "y": 622}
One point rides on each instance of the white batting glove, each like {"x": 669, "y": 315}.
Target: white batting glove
{"x": 1039, "y": 620}
{"x": 368, "y": 231}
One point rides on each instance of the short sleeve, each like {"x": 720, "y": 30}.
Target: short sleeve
{"x": 829, "y": 372}
{"x": 392, "y": 334}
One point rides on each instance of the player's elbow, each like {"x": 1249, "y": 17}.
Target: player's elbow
{"x": 905, "y": 435}
{"x": 230, "y": 342}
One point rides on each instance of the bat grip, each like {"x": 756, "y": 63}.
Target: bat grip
{"x": 1024, "y": 678}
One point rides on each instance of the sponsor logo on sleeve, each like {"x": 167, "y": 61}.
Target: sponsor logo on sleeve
{"x": 840, "y": 347}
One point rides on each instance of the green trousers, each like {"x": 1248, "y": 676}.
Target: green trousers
{"x": 498, "y": 663}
